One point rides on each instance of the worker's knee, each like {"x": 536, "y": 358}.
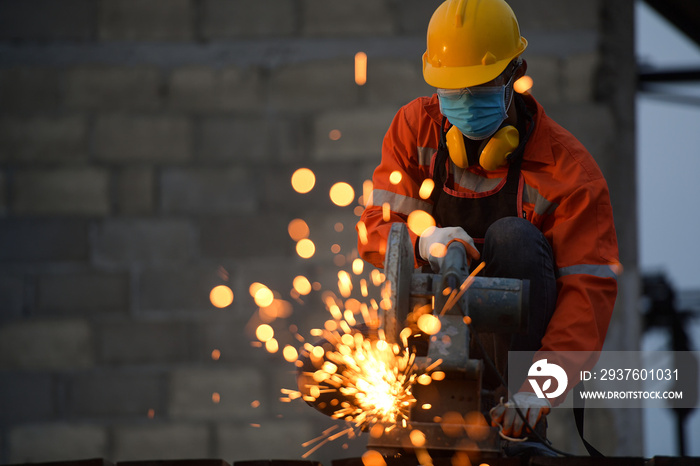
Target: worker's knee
{"x": 516, "y": 239}
{"x": 515, "y": 248}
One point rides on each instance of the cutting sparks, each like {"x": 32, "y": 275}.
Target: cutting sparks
{"x": 352, "y": 373}
{"x": 362, "y": 380}
{"x": 348, "y": 369}
{"x": 372, "y": 378}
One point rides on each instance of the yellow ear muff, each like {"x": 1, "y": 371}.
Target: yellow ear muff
{"x": 500, "y": 146}
{"x": 455, "y": 146}
{"x": 494, "y": 155}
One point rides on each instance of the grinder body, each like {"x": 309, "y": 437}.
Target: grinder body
{"x": 489, "y": 306}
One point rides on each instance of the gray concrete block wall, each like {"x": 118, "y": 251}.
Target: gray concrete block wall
{"x": 147, "y": 20}
{"x": 48, "y": 21}
{"x": 62, "y": 191}
{"x": 146, "y": 149}
{"x": 162, "y": 441}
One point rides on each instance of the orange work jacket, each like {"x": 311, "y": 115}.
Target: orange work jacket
{"x": 564, "y": 195}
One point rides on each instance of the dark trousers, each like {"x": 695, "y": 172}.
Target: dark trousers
{"x": 515, "y": 248}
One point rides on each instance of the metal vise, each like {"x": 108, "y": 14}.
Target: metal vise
{"x": 492, "y": 305}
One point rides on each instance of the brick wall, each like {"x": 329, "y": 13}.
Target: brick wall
{"x": 146, "y": 148}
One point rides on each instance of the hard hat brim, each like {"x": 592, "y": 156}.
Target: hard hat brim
{"x": 457, "y": 77}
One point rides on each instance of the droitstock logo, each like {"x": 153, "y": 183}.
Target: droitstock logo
{"x": 541, "y": 369}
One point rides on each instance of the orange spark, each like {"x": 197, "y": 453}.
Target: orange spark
{"x": 290, "y": 353}
{"x": 362, "y": 232}
{"x": 367, "y": 187}
{"x": 344, "y": 283}
{"x": 306, "y": 248}
{"x": 349, "y": 317}
{"x": 386, "y": 212}
{"x": 221, "y": 296}
{"x": 263, "y": 296}
{"x": 426, "y": 188}
{"x": 272, "y": 346}
{"x": 419, "y": 221}
{"x": 429, "y": 324}
{"x": 318, "y": 352}
{"x": 358, "y": 266}
{"x": 373, "y": 458}
{"x": 264, "y": 332}
{"x": 376, "y": 431}
{"x": 438, "y": 250}
{"x": 303, "y": 180}
{"x": 360, "y": 68}
{"x": 424, "y": 379}
{"x": 298, "y": 229}
{"x": 302, "y": 285}
{"x": 523, "y": 85}
{"x": 417, "y": 438}
{"x": 456, "y": 294}
{"x": 254, "y": 287}
{"x": 342, "y": 194}
{"x": 377, "y": 277}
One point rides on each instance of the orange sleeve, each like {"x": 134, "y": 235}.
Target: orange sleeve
{"x": 582, "y": 234}
{"x": 585, "y": 250}
{"x": 393, "y": 202}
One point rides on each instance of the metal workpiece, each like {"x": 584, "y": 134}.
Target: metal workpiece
{"x": 458, "y": 392}
{"x": 499, "y": 305}
{"x": 451, "y": 343}
{"x": 398, "y": 268}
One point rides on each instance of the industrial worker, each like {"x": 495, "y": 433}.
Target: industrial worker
{"x": 515, "y": 188}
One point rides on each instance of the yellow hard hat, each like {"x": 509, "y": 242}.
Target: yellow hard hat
{"x": 470, "y": 42}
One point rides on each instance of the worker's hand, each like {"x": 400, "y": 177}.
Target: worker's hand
{"x": 533, "y": 408}
{"x": 432, "y": 245}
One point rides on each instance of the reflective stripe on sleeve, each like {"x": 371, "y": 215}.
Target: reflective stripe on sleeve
{"x": 602, "y": 271}
{"x": 425, "y": 155}
{"x": 397, "y": 202}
